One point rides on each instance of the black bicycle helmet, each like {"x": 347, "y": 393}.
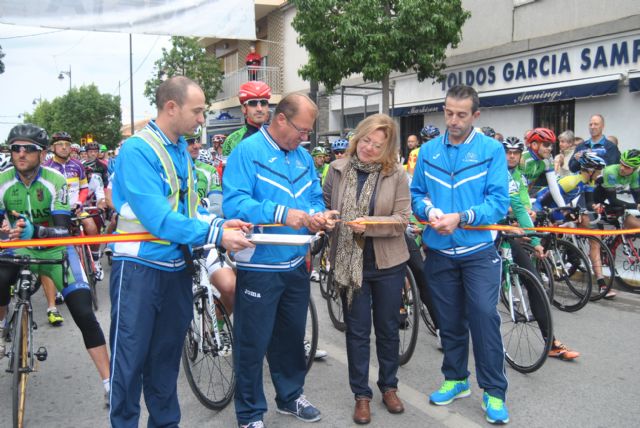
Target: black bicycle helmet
{"x": 61, "y": 136}
{"x": 92, "y": 146}
{"x": 488, "y": 131}
{"x": 29, "y": 132}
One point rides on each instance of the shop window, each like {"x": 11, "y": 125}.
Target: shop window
{"x": 558, "y": 116}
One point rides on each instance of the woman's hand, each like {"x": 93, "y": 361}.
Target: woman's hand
{"x": 357, "y": 225}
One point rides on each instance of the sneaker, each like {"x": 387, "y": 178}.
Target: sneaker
{"x": 438, "y": 340}
{"x": 320, "y": 353}
{"x": 449, "y": 391}
{"x": 59, "y": 298}
{"x": 55, "y": 319}
{"x": 315, "y": 276}
{"x": 301, "y": 409}
{"x": 496, "y": 411}
{"x": 256, "y": 424}
{"x": 560, "y": 350}
{"x": 99, "y": 271}
{"x": 226, "y": 344}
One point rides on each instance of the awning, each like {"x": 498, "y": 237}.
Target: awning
{"x": 634, "y": 81}
{"x": 559, "y": 91}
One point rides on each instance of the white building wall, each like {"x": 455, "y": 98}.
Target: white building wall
{"x": 294, "y": 56}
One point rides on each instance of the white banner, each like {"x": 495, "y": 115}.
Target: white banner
{"x": 223, "y": 19}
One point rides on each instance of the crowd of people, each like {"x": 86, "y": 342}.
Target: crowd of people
{"x": 358, "y": 190}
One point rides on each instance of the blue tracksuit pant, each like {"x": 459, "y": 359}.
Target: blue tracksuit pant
{"x": 465, "y": 296}
{"x": 269, "y": 318}
{"x": 150, "y": 312}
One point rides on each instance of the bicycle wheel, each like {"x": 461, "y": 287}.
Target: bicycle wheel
{"x": 311, "y": 334}
{"x": 207, "y": 361}
{"x": 628, "y": 259}
{"x": 427, "y": 319}
{"x": 543, "y": 268}
{"x": 605, "y": 262}
{"x": 86, "y": 259}
{"x": 20, "y": 364}
{"x": 571, "y": 277}
{"x": 409, "y": 318}
{"x": 323, "y": 271}
{"x": 334, "y": 304}
{"x": 526, "y": 325}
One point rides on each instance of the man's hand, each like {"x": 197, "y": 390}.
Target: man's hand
{"x": 325, "y": 220}
{"x": 238, "y": 224}
{"x": 22, "y": 228}
{"x": 357, "y": 226}
{"x": 235, "y": 240}
{"x": 435, "y": 214}
{"x": 297, "y": 219}
{"x": 446, "y": 224}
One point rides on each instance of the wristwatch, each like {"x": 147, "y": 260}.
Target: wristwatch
{"x": 464, "y": 218}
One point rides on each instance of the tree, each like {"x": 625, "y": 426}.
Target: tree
{"x": 375, "y": 38}
{"x": 1, "y": 63}
{"x": 80, "y": 112}
{"x": 186, "y": 58}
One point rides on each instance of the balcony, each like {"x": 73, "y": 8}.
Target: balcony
{"x": 231, "y": 84}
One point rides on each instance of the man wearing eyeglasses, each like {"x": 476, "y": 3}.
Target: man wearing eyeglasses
{"x": 269, "y": 179}
{"x": 254, "y": 99}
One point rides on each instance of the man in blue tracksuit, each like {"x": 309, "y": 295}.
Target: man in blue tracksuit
{"x": 151, "y": 299}
{"x": 270, "y": 179}
{"x": 461, "y": 178}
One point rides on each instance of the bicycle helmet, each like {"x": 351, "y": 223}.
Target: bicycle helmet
{"x": 590, "y": 160}
{"x": 205, "y": 157}
{"x": 92, "y": 146}
{"x": 61, "y": 136}
{"x": 103, "y": 148}
{"x": 631, "y": 158}
{"x": 540, "y": 135}
{"x": 75, "y": 147}
{"x": 195, "y": 136}
{"x": 339, "y": 145}
{"x": 254, "y": 89}
{"x": 513, "y": 143}
{"x": 488, "y": 131}
{"x": 349, "y": 135}
{"x": 219, "y": 138}
{"x": 429, "y": 132}
{"x": 5, "y": 161}
{"x": 318, "y": 151}
{"x": 29, "y": 132}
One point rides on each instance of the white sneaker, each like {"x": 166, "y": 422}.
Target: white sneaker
{"x": 320, "y": 353}
{"x": 315, "y": 276}
{"x": 99, "y": 271}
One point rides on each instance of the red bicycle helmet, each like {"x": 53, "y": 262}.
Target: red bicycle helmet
{"x": 254, "y": 89}
{"x": 540, "y": 135}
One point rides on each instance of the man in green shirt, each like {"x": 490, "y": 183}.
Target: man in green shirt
{"x": 622, "y": 178}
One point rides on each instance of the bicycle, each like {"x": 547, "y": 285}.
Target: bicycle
{"x": 206, "y": 354}
{"x": 20, "y": 330}
{"x": 409, "y": 318}
{"x": 86, "y": 256}
{"x": 526, "y": 324}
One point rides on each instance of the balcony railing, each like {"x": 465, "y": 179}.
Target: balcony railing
{"x": 232, "y": 81}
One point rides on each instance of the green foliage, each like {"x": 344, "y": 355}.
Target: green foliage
{"x": 186, "y": 58}
{"x": 81, "y": 111}
{"x": 376, "y": 37}
{"x": 1, "y": 63}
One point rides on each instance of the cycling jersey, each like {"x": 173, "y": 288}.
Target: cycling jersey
{"x": 518, "y": 184}
{"x": 533, "y": 167}
{"x": 235, "y": 137}
{"x": 208, "y": 186}
{"x": 611, "y": 184}
{"x": 74, "y": 172}
{"x": 96, "y": 189}
{"x": 571, "y": 186}
{"x": 518, "y": 203}
{"x": 99, "y": 167}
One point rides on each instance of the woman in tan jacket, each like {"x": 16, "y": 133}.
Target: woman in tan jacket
{"x": 369, "y": 188}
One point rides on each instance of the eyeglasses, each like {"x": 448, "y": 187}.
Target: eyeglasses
{"x": 370, "y": 143}
{"x": 254, "y": 103}
{"x": 307, "y": 132}
{"x": 28, "y": 148}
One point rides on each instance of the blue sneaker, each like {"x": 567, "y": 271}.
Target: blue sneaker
{"x": 496, "y": 411}
{"x": 449, "y": 391}
{"x": 301, "y": 409}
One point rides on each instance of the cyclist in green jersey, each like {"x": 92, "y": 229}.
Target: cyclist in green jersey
{"x": 622, "y": 178}
{"x": 254, "y": 99}
{"x": 538, "y": 160}
{"x": 208, "y": 182}
{"x": 520, "y": 208}
{"x": 34, "y": 204}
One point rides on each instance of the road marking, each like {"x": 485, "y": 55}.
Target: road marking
{"x": 417, "y": 399}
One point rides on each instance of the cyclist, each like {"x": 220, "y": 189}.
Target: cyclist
{"x": 217, "y": 142}
{"x": 538, "y": 159}
{"x": 622, "y": 178}
{"x": 318, "y": 154}
{"x": 254, "y": 99}
{"x": 572, "y": 187}
{"x": 427, "y": 133}
{"x": 98, "y": 166}
{"x": 75, "y": 151}
{"x": 73, "y": 171}
{"x": 82, "y": 154}
{"x": 208, "y": 179}
{"x": 34, "y": 204}
{"x": 518, "y": 205}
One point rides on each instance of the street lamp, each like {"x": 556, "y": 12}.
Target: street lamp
{"x": 37, "y": 100}
{"x": 68, "y": 73}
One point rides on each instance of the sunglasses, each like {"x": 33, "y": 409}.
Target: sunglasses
{"x": 338, "y": 152}
{"x": 28, "y": 148}
{"x": 254, "y": 103}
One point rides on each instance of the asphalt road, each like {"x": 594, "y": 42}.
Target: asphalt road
{"x": 599, "y": 389}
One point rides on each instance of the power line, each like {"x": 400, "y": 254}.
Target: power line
{"x": 31, "y": 35}
{"x": 139, "y": 65}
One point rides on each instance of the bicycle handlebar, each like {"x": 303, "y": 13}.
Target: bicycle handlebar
{"x": 25, "y": 260}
